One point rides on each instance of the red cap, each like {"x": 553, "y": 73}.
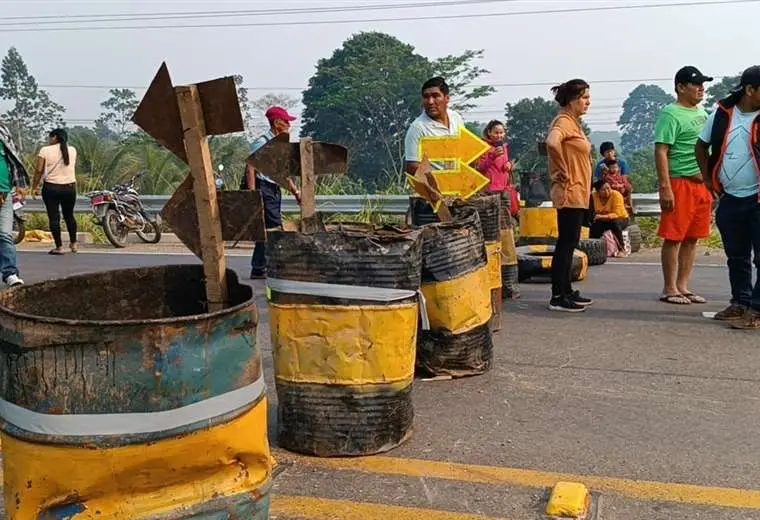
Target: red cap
{"x": 278, "y": 113}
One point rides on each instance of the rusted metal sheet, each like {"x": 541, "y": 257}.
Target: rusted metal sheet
{"x": 158, "y": 114}
{"x": 280, "y": 159}
{"x": 221, "y": 108}
{"x": 242, "y": 215}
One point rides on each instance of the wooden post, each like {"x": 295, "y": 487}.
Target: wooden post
{"x": 308, "y": 186}
{"x": 204, "y": 188}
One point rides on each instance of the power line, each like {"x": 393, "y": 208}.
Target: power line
{"x": 395, "y": 19}
{"x": 180, "y": 15}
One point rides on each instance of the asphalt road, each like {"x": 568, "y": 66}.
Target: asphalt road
{"x": 635, "y": 398}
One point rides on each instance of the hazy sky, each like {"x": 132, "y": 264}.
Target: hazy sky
{"x": 622, "y": 45}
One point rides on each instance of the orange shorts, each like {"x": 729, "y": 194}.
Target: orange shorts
{"x": 692, "y": 216}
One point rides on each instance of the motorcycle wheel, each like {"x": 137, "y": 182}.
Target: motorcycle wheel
{"x": 116, "y": 233}
{"x": 151, "y": 233}
{"x": 19, "y": 230}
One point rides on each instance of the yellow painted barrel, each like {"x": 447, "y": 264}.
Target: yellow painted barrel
{"x": 344, "y": 313}
{"x": 510, "y": 287}
{"x": 489, "y": 210}
{"x": 538, "y": 226}
{"x": 457, "y": 290}
{"x": 124, "y": 399}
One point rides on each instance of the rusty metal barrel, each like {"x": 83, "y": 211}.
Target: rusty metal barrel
{"x": 455, "y": 283}
{"x": 509, "y": 262}
{"x": 344, "y": 312}
{"x": 488, "y": 207}
{"x": 122, "y": 398}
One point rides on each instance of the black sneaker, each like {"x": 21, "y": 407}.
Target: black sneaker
{"x": 580, "y": 300}
{"x": 565, "y": 304}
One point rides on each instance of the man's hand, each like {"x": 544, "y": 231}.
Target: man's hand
{"x": 21, "y": 192}
{"x": 667, "y": 199}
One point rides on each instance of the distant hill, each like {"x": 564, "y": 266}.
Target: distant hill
{"x": 598, "y": 138}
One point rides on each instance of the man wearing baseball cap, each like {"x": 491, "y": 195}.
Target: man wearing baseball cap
{"x": 728, "y": 152}
{"x": 685, "y": 201}
{"x": 279, "y": 123}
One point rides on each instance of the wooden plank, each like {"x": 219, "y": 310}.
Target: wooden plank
{"x": 204, "y": 188}
{"x": 308, "y": 187}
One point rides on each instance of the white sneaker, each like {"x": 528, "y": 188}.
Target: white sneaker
{"x": 14, "y": 281}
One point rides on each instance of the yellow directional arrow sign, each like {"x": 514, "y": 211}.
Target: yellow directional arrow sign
{"x": 462, "y": 149}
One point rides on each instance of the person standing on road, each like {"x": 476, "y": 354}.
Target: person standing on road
{"x": 570, "y": 168}
{"x": 437, "y": 119}
{"x": 685, "y": 201}
{"x": 731, "y": 169}
{"x": 13, "y": 175}
{"x": 57, "y": 162}
{"x": 271, "y": 196}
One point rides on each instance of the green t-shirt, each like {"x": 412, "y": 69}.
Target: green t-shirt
{"x": 679, "y": 127}
{"x": 5, "y": 171}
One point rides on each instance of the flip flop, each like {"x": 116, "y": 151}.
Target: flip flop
{"x": 694, "y": 298}
{"x": 675, "y": 299}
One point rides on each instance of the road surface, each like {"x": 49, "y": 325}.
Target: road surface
{"x": 653, "y": 406}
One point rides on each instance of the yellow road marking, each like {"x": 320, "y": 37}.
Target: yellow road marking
{"x": 496, "y": 476}
{"x": 324, "y": 509}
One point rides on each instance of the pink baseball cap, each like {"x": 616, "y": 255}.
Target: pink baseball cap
{"x": 278, "y": 113}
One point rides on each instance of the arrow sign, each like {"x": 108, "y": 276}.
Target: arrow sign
{"x": 241, "y": 214}
{"x": 462, "y": 149}
{"x": 426, "y": 186}
{"x": 280, "y": 159}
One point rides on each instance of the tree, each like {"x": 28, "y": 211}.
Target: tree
{"x": 100, "y": 163}
{"x": 259, "y": 123}
{"x": 643, "y": 170}
{"x": 721, "y": 90}
{"x": 639, "y": 116}
{"x": 32, "y": 112}
{"x": 368, "y": 92}
{"x": 115, "y": 120}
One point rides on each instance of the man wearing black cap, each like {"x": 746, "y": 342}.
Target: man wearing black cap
{"x": 728, "y": 152}
{"x": 685, "y": 201}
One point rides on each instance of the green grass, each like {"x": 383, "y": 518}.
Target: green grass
{"x": 85, "y": 224}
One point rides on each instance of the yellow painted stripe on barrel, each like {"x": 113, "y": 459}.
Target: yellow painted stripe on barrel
{"x": 508, "y": 250}
{"x": 310, "y": 508}
{"x": 461, "y": 304}
{"x": 139, "y": 481}
{"x": 584, "y": 264}
{"x": 538, "y": 223}
{"x": 344, "y": 345}
{"x": 585, "y": 233}
{"x": 493, "y": 250}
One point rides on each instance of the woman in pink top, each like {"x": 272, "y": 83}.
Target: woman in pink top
{"x": 497, "y": 166}
{"x": 56, "y": 163}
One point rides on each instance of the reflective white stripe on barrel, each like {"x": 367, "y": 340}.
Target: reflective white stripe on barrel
{"x": 87, "y": 425}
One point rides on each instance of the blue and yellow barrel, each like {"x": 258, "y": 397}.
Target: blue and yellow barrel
{"x": 457, "y": 288}
{"x": 122, "y": 398}
{"x": 344, "y": 309}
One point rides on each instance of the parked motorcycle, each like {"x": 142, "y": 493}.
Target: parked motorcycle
{"x": 19, "y": 219}
{"x": 120, "y": 210}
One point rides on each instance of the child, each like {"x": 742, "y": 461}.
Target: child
{"x": 612, "y": 175}
{"x": 497, "y": 166}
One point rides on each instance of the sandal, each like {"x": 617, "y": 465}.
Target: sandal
{"x": 675, "y": 299}
{"x": 56, "y": 252}
{"x": 74, "y": 248}
{"x": 693, "y": 298}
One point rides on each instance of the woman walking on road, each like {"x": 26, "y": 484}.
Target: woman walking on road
{"x": 57, "y": 163}
{"x": 570, "y": 169}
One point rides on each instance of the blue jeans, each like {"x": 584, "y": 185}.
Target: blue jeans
{"x": 271, "y": 196}
{"x": 738, "y": 220}
{"x": 7, "y": 247}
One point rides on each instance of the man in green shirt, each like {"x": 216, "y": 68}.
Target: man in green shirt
{"x": 13, "y": 176}
{"x": 685, "y": 201}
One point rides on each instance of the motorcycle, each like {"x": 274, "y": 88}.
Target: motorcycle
{"x": 120, "y": 210}
{"x": 19, "y": 219}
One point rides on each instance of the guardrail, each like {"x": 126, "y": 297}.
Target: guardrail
{"x": 645, "y": 204}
